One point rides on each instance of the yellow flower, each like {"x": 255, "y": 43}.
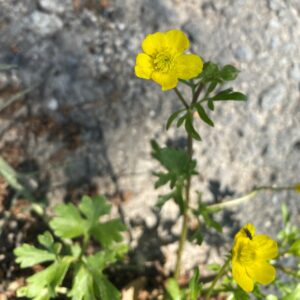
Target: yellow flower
{"x": 164, "y": 60}
{"x": 249, "y": 258}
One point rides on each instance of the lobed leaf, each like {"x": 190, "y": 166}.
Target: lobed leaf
{"x": 93, "y": 208}
{"x": 28, "y": 256}
{"x": 68, "y": 223}
{"x": 42, "y": 285}
{"x": 109, "y": 232}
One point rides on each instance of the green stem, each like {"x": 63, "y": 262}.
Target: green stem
{"x": 184, "y": 229}
{"x": 185, "y": 215}
{"x": 219, "y": 275}
{"x": 247, "y": 197}
{"x": 178, "y": 93}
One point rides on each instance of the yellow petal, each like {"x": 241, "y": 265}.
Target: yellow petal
{"x": 188, "y": 66}
{"x": 177, "y": 40}
{"x": 166, "y": 80}
{"x": 265, "y": 247}
{"x": 246, "y": 231}
{"x": 154, "y": 43}
{"x": 262, "y": 272}
{"x": 241, "y": 276}
{"x": 143, "y": 66}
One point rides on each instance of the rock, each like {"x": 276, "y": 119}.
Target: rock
{"x": 44, "y": 24}
{"x": 243, "y": 53}
{"x": 55, "y": 6}
{"x": 3, "y": 81}
{"x": 295, "y": 72}
{"x": 272, "y": 96}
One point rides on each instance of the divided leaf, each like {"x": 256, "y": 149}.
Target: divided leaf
{"x": 83, "y": 286}
{"x": 68, "y": 223}
{"x": 93, "y": 208}
{"x": 28, "y": 256}
{"x": 41, "y": 286}
{"x": 108, "y": 232}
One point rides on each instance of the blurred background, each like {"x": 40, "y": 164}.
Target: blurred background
{"x": 74, "y": 118}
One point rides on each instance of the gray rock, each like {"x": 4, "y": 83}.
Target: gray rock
{"x": 55, "y": 6}
{"x": 273, "y": 96}
{"x": 3, "y": 81}
{"x": 243, "y": 53}
{"x": 44, "y": 24}
{"x": 295, "y": 72}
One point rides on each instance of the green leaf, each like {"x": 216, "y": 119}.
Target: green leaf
{"x": 295, "y": 295}
{"x": 163, "y": 178}
{"x": 285, "y": 213}
{"x": 214, "y": 267}
{"x": 229, "y": 73}
{"x": 104, "y": 258}
{"x": 210, "y": 104}
{"x": 179, "y": 199}
{"x": 228, "y": 95}
{"x": 295, "y": 248}
{"x": 162, "y": 199}
{"x": 93, "y": 208}
{"x": 46, "y": 240}
{"x": 181, "y": 120}
{"x": 202, "y": 114}
{"x": 68, "y": 223}
{"x": 173, "y": 116}
{"x": 109, "y": 232}
{"x": 190, "y": 128}
{"x": 28, "y": 256}
{"x": 198, "y": 237}
{"x": 42, "y": 285}
{"x": 176, "y": 161}
{"x": 195, "y": 287}
{"x": 210, "y": 72}
{"x": 105, "y": 289}
{"x": 173, "y": 289}
{"x": 211, "y": 87}
{"x": 83, "y": 285}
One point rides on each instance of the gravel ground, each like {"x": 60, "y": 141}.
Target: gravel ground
{"x": 87, "y": 123}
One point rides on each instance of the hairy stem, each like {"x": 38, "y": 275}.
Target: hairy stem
{"x": 219, "y": 275}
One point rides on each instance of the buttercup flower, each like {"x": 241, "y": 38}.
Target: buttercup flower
{"x": 249, "y": 258}
{"x": 164, "y": 60}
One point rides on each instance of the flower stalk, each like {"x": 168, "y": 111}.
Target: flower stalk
{"x": 219, "y": 275}
{"x": 183, "y": 234}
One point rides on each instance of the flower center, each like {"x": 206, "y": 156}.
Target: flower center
{"x": 245, "y": 253}
{"x": 163, "y": 62}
